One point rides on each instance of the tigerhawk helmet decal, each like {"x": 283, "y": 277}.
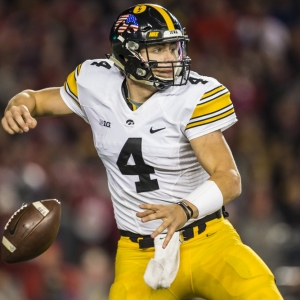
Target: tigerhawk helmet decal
{"x": 127, "y": 23}
{"x": 142, "y": 26}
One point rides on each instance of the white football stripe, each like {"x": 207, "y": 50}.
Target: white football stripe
{"x": 9, "y": 246}
{"x": 41, "y": 208}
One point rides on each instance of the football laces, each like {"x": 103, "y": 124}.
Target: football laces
{"x": 11, "y": 218}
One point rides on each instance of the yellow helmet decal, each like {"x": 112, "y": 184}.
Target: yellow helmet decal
{"x": 139, "y": 9}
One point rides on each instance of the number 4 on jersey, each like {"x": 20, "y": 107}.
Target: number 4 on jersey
{"x": 133, "y": 146}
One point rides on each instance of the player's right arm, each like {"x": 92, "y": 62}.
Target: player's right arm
{"x": 23, "y": 108}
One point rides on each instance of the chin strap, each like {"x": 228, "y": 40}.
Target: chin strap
{"x": 120, "y": 66}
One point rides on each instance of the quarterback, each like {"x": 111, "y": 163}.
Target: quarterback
{"x": 157, "y": 127}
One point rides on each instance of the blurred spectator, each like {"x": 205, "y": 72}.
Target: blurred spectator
{"x": 50, "y": 278}
{"x": 9, "y": 288}
{"x": 97, "y": 274}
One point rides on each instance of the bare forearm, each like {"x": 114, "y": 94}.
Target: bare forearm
{"x": 229, "y": 183}
{"x": 22, "y": 109}
{"x": 41, "y": 103}
{"x": 224, "y": 183}
{"x": 24, "y": 98}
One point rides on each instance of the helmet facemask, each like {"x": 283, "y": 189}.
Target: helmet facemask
{"x": 138, "y": 30}
{"x": 166, "y": 73}
{"x": 161, "y": 74}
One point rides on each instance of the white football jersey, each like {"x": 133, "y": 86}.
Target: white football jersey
{"x": 146, "y": 152}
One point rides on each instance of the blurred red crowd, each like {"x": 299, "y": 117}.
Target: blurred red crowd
{"x": 252, "y": 47}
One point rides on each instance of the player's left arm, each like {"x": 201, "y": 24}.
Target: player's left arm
{"x": 214, "y": 154}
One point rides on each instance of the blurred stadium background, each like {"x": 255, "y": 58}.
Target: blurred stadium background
{"x": 251, "y": 46}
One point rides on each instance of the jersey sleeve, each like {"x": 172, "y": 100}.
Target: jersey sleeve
{"x": 213, "y": 111}
{"x": 69, "y": 93}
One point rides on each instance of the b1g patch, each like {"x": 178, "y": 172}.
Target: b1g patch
{"x": 104, "y": 123}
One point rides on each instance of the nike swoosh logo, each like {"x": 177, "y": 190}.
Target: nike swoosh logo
{"x": 155, "y": 130}
{"x": 210, "y": 234}
{"x": 12, "y": 231}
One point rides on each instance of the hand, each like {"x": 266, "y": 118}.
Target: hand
{"x": 172, "y": 215}
{"x": 17, "y": 119}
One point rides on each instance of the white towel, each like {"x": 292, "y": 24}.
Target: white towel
{"x": 163, "y": 268}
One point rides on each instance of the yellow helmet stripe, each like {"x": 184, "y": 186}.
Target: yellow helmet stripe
{"x": 165, "y": 15}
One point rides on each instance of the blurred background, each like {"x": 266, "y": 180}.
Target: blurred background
{"x": 251, "y": 46}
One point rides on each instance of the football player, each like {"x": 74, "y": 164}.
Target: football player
{"x": 157, "y": 127}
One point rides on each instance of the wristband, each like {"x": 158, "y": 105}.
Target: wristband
{"x": 207, "y": 198}
{"x": 186, "y": 206}
{"x": 185, "y": 209}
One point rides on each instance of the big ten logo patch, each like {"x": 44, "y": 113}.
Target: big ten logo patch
{"x": 104, "y": 123}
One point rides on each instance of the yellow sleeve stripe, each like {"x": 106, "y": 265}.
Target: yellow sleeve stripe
{"x": 210, "y": 120}
{"x": 165, "y": 15}
{"x": 67, "y": 89}
{"x": 214, "y": 91}
{"x": 72, "y": 84}
{"x": 78, "y": 69}
{"x": 212, "y": 105}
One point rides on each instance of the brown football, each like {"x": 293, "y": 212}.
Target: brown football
{"x": 31, "y": 230}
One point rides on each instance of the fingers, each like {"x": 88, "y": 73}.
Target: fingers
{"x": 150, "y": 213}
{"x": 145, "y": 213}
{"x": 168, "y": 237}
{"x": 6, "y": 126}
{"x": 172, "y": 216}
{"x": 31, "y": 122}
{"x": 18, "y": 120}
{"x": 11, "y": 123}
{"x": 160, "y": 229}
{"x": 151, "y": 206}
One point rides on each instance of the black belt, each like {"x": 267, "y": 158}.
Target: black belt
{"x": 146, "y": 241}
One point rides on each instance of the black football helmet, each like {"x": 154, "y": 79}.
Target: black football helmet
{"x": 137, "y": 28}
